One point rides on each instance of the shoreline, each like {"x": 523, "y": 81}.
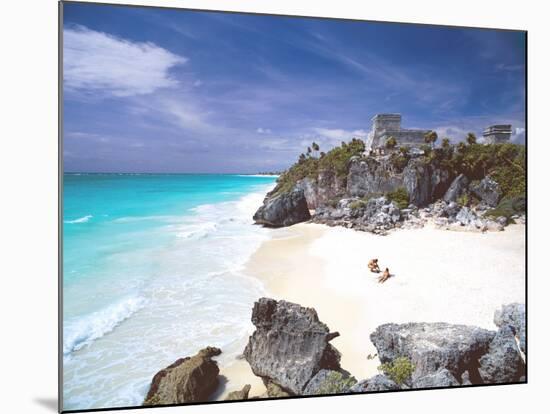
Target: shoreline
{"x": 437, "y": 276}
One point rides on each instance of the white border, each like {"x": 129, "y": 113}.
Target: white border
{"x": 29, "y": 202}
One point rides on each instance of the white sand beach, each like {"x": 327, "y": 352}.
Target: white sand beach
{"x": 437, "y": 275}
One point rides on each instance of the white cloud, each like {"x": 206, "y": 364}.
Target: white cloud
{"x": 340, "y": 134}
{"x": 99, "y": 62}
{"x": 197, "y": 83}
{"x": 263, "y": 131}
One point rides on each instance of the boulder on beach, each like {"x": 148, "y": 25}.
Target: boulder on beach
{"x": 290, "y": 345}
{"x": 458, "y": 187}
{"x": 503, "y": 362}
{"x": 189, "y": 379}
{"x": 487, "y": 190}
{"x": 434, "y": 346}
{"x": 328, "y": 381}
{"x": 239, "y": 395}
{"x": 284, "y": 209}
{"x": 513, "y": 315}
{"x": 441, "y": 378}
{"x": 377, "y": 383}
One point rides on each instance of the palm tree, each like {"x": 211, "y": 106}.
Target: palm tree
{"x": 309, "y": 151}
{"x": 391, "y": 143}
{"x": 315, "y": 147}
{"x": 445, "y": 143}
{"x": 430, "y": 138}
{"x": 471, "y": 138}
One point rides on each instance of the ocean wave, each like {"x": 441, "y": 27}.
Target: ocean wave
{"x": 197, "y": 231}
{"x": 79, "y": 220}
{"x": 82, "y": 331}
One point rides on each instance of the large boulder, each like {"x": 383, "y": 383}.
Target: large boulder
{"x": 189, "y": 379}
{"x": 441, "y": 378}
{"x": 458, "y": 187}
{"x": 377, "y": 383}
{"x": 433, "y": 346}
{"x": 503, "y": 362}
{"x": 284, "y": 209}
{"x": 487, "y": 190}
{"x": 513, "y": 316}
{"x": 290, "y": 345}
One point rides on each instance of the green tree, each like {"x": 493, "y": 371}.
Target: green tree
{"x": 471, "y": 138}
{"x": 391, "y": 143}
{"x": 315, "y": 146}
{"x": 445, "y": 143}
{"x": 430, "y": 138}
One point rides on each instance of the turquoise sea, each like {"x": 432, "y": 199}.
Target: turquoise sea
{"x": 151, "y": 273}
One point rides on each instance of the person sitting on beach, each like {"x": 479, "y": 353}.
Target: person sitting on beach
{"x": 385, "y": 276}
{"x": 373, "y": 266}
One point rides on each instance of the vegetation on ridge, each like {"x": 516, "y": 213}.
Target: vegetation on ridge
{"x": 399, "y": 370}
{"x": 308, "y": 165}
{"x": 504, "y": 162}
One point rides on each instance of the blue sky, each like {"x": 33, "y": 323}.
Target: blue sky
{"x": 159, "y": 90}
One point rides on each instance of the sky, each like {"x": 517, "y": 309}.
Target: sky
{"x": 179, "y": 91}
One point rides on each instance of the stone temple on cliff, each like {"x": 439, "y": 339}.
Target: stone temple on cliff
{"x": 385, "y": 126}
{"x": 496, "y": 134}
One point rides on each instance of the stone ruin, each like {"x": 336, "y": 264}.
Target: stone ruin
{"x": 496, "y": 134}
{"x": 385, "y": 126}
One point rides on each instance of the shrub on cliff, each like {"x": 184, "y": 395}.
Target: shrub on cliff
{"x": 508, "y": 207}
{"x": 336, "y": 383}
{"x": 399, "y": 370}
{"x": 399, "y": 196}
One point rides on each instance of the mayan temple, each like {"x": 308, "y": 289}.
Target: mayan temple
{"x": 385, "y": 126}
{"x": 495, "y": 134}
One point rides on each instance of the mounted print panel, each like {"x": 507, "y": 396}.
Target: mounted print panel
{"x": 264, "y": 206}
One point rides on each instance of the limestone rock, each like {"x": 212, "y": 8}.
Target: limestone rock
{"x": 487, "y": 190}
{"x": 290, "y": 345}
{"x": 457, "y": 188}
{"x": 275, "y": 391}
{"x": 367, "y": 176}
{"x": 442, "y": 378}
{"x": 377, "y": 383}
{"x": 283, "y": 209}
{"x": 240, "y": 394}
{"x": 189, "y": 379}
{"x": 309, "y": 186}
{"x": 329, "y": 382}
{"x": 433, "y": 346}
{"x": 502, "y": 363}
{"x": 513, "y": 315}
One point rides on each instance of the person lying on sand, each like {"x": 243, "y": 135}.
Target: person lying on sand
{"x": 373, "y": 266}
{"x": 385, "y": 276}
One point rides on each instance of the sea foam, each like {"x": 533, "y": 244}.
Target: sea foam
{"x": 79, "y": 220}
{"x": 80, "y": 332}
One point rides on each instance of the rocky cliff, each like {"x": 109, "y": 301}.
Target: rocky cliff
{"x": 476, "y": 187}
